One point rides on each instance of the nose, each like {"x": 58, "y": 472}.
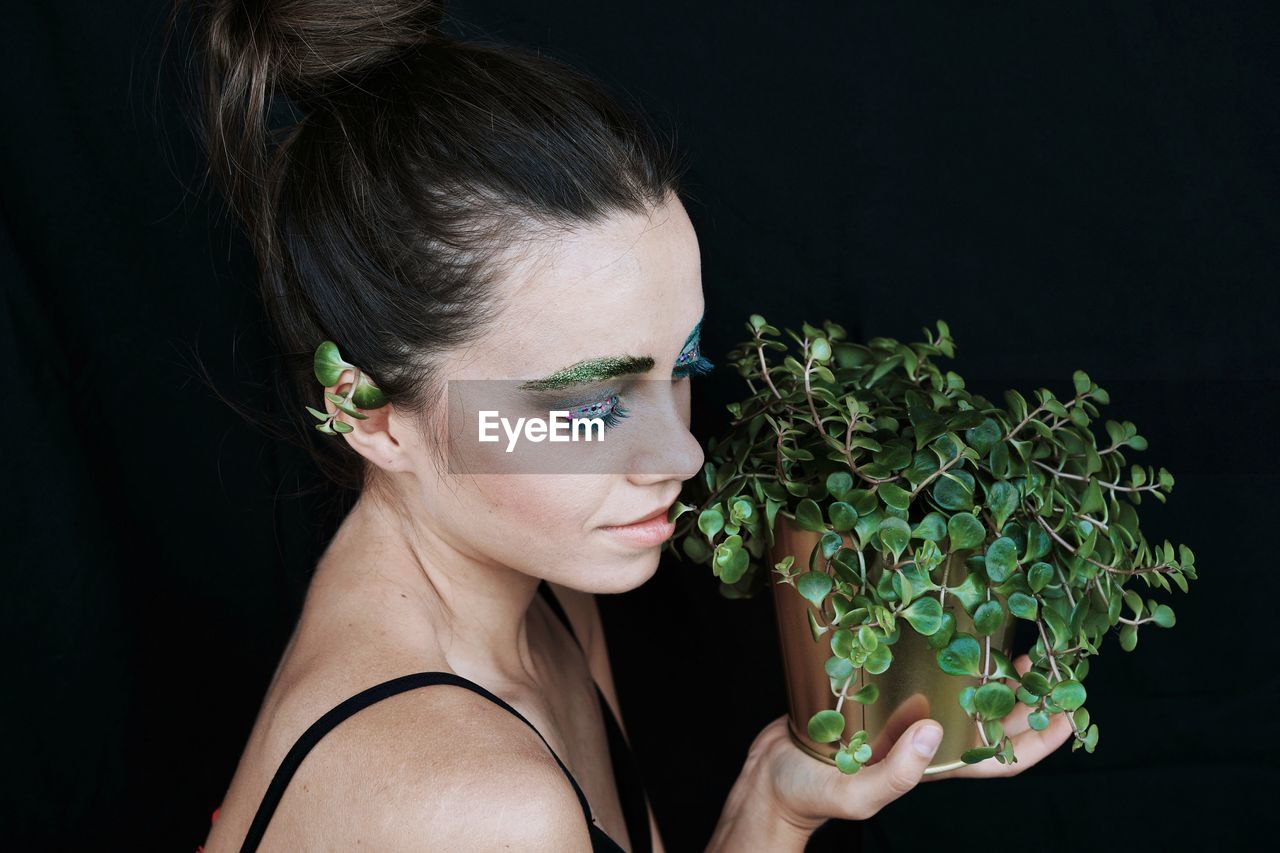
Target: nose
{"x": 669, "y": 450}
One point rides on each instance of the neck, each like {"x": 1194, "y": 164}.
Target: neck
{"x": 419, "y": 581}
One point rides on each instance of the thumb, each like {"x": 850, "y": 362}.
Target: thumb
{"x": 900, "y": 770}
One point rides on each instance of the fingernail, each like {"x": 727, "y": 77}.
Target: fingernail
{"x": 927, "y": 739}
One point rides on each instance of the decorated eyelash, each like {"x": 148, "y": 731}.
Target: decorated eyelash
{"x": 610, "y": 410}
{"x": 692, "y": 362}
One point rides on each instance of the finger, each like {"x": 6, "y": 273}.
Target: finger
{"x": 1029, "y": 748}
{"x": 912, "y": 709}
{"x": 879, "y": 784}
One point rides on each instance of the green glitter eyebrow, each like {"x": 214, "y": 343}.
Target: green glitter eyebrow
{"x": 591, "y": 370}
{"x": 597, "y": 369}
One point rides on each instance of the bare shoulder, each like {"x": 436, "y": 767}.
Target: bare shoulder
{"x": 440, "y": 768}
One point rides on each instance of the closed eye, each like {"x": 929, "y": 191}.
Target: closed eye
{"x": 691, "y": 362}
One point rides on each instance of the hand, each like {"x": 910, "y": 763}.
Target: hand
{"x": 805, "y": 792}
{"x": 1029, "y": 745}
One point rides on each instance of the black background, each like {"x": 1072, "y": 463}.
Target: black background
{"x": 1068, "y": 185}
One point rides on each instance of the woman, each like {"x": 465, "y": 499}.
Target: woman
{"x": 446, "y": 212}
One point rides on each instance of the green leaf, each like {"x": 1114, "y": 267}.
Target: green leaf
{"x": 367, "y": 395}
{"x": 319, "y": 415}
{"x": 809, "y": 516}
{"x": 814, "y": 628}
{"x": 1039, "y": 575}
{"x": 978, "y": 753}
{"x": 845, "y": 562}
{"x": 736, "y": 567}
{"x": 866, "y": 694}
{"x": 1038, "y": 720}
{"x": 994, "y": 700}
{"x": 839, "y": 483}
{"x": 838, "y": 667}
{"x": 925, "y": 615}
{"x": 878, "y": 661}
{"x": 965, "y": 531}
{"x": 843, "y": 516}
{"x": 1023, "y": 606}
{"x": 814, "y": 586}
{"x": 946, "y": 630}
{"x": 961, "y": 656}
{"x": 1163, "y": 616}
{"x": 342, "y": 426}
{"x": 846, "y": 763}
{"x": 983, "y": 437}
{"x": 1128, "y": 637}
{"x": 1091, "y": 498}
{"x": 1035, "y": 683}
{"x": 710, "y": 522}
{"x": 825, "y": 726}
{"x": 895, "y": 533}
{"x": 867, "y": 638}
{"x": 695, "y": 549}
{"x": 842, "y": 642}
{"x": 1069, "y": 694}
{"x": 894, "y": 496}
{"x": 327, "y": 364}
{"x": 931, "y": 528}
{"x": 863, "y": 753}
{"x": 1002, "y": 500}
{"x": 1001, "y": 559}
{"x": 988, "y": 617}
{"x": 954, "y": 490}
{"x": 742, "y": 510}
{"x": 344, "y": 406}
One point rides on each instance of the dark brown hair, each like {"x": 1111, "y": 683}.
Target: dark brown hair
{"x": 405, "y": 160}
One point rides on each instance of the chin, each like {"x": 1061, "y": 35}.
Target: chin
{"x": 617, "y": 573}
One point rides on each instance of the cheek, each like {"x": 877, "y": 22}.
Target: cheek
{"x": 542, "y": 514}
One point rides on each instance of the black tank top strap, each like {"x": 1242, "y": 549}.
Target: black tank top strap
{"x": 635, "y": 808}
{"x": 363, "y": 699}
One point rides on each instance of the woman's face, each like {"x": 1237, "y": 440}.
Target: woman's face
{"x": 605, "y": 317}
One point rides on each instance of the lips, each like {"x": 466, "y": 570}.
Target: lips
{"x": 642, "y": 534}
{"x": 659, "y": 513}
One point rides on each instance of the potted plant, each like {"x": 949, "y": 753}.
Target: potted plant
{"x": 908, "y": 526}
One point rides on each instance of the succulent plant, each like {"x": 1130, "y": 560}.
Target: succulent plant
{"x": 890, "y": 458}
{"x": 328, "y": 366}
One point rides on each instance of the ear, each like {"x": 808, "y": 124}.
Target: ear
{"x": 378, "y": 436}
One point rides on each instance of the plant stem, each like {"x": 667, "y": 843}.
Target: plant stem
{"x": 1053, "y": 666}
{"x": 1115, "y": 487}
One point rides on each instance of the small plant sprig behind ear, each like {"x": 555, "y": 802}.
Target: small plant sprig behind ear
{"x": 363, "y": 394}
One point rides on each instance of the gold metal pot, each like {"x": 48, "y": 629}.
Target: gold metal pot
{"x": 912, "y": 688}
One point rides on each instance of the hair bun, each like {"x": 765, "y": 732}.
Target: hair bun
{"x": 311, "y": 45}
